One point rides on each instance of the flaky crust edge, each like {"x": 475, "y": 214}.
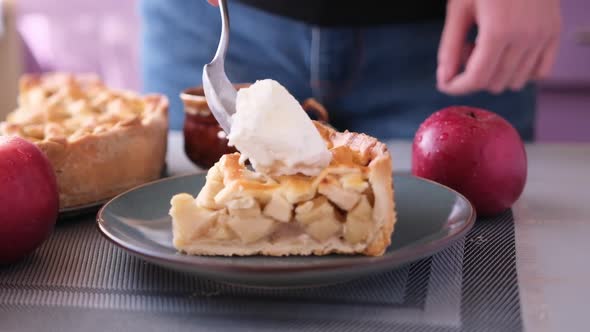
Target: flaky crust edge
{"x": 96, "y": 167}
{"x": 380, "y": 178}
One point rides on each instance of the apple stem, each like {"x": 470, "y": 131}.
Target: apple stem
{"x": 471, "y": 114}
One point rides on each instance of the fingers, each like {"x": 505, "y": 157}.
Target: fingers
{"x": 539, "y": 63}
{"x": 467, "y": 50}
{"x": 508, "y": 66}
{"x": 550, "y": 52}
{"x": 535, "y": 65}
{"x": 547, "y": 59}
{"x": 451, "y": 48}
{"x": 526, "y": 69}
{"x": 481, "y": 66}
{"x": 517, "y": 42}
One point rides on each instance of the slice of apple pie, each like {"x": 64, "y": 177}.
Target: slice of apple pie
{"x": 348, "y": 208}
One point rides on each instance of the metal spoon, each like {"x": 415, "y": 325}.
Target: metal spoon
{"x": 219, "y": 91}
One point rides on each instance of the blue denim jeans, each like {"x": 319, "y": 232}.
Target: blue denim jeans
{"x": 379, "y": 80}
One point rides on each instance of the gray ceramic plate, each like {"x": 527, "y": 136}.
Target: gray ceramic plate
{"x": 430, "y": 218}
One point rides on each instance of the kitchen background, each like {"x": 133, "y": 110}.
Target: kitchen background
{"x": 102, "y": 37}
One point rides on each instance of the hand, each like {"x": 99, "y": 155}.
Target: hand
{"x": 517, "y": 42}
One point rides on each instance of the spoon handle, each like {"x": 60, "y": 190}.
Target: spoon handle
{"x": 219, "y": 91}
{"x": 224, "y": 40}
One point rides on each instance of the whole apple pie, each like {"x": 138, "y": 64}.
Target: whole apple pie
{"x": 100, "y": 141}
{"x": 348, "y": 208}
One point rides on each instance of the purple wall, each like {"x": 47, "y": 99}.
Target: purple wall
{"x": 102, "y": 36}
{"x": 82, "y": 35}
{"x": 564, "y": 116}
{"x": 564, "y": 103}
{"x": 572, "y": 65}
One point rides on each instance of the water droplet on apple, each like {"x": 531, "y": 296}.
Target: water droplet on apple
{"x": 25, "y": 155}
{"x": 419, "y": 138}
{"x": 443, "y": 136}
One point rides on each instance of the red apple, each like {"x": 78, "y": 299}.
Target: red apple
{"x": 29, "y": 200}
{"x": 474, "y": 151}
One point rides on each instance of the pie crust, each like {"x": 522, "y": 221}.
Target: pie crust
{"x": 100, "y": 141}
{"x": 347, "y": 209}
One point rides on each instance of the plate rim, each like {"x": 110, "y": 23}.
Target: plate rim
{"x": 205, "y": 263}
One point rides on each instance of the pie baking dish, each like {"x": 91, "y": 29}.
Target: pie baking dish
{"x": 100, "y": 141}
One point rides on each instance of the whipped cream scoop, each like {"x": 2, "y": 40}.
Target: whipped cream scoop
{"x": 271, "y": 130}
